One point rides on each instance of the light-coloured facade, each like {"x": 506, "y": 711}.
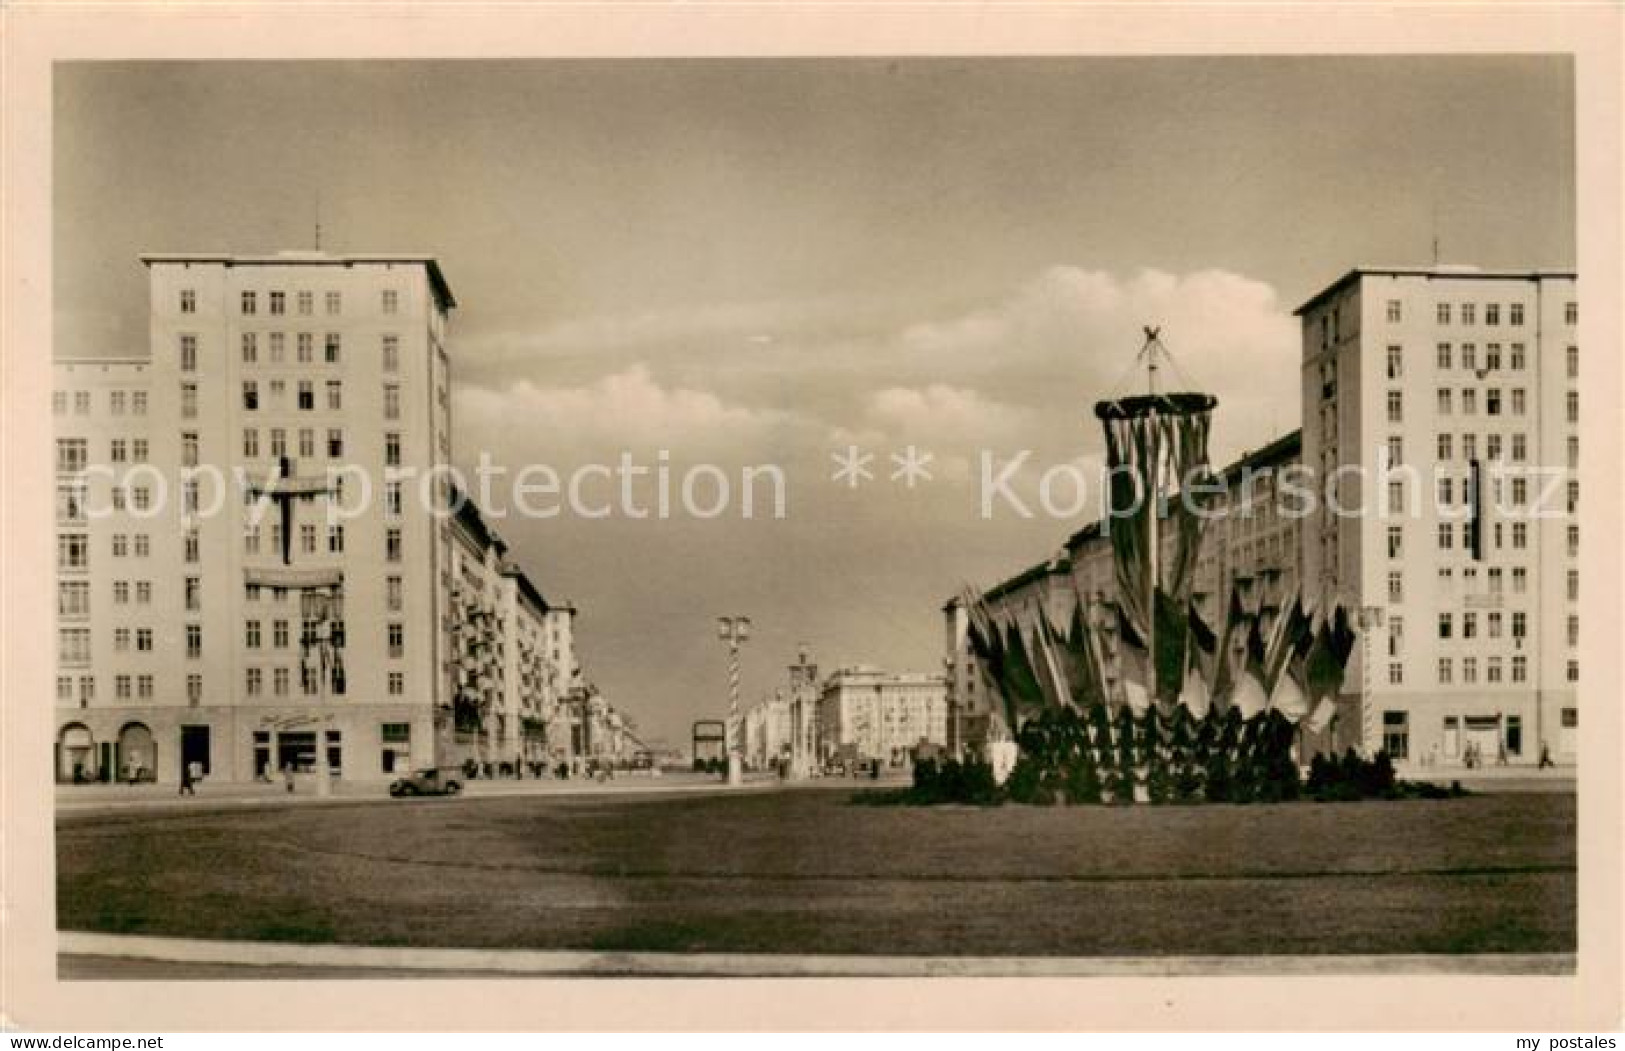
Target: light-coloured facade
{"x": 881, "y": 714}
{"x": 1447, "y": 399}
{"x": 287, "y": 431}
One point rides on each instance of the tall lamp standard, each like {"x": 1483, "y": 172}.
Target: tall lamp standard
{"x": 322, "y": 610}
{"x": 734, "y": 631}
{"x": 1370, "y": 620}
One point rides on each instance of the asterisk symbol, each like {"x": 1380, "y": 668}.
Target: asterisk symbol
{"x": 851, "y": 466}
{"x": 911, "y": 466}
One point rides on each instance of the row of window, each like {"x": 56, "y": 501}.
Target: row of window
{"x": 143, "y": 688}
{"x": 1494, "y": 575}
{"x": 118, "y": 402}
{"x": 1493, "y": 668}
{"x": 1445, "y": 358}
{"x": 1515, "y": 403}
{"x": 73, "y": 549}
{"x": 1467, "y": 313}
{"x": 304, "y": 302}
{"x": 276, "y": 351}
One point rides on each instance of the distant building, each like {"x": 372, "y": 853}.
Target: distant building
{"x": 881, "y": 715}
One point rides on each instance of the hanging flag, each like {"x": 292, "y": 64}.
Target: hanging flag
{"x": 1133, "y": 664}
{"x": 1173, "y": 629}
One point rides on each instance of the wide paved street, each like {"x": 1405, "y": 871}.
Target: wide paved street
{"x": 808, "y": 872}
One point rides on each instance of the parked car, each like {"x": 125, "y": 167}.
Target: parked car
{"x": 432, "y": 781}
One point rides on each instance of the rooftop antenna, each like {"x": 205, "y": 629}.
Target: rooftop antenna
{"x": 1435, "y": 231}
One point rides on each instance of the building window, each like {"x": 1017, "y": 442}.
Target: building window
{"x": 1444, "y": 401}
{"x": 253, "y": 678}
{"x": 392, "y": 499}
{"x": 1396, "y": 361}
{"x": 1572, "y": 358}
{"x": 194, "y": 641}
{"x": 1572, "y": 406}
{"x": 251, "y": 348}
{"x": 1445, "y": 447}
{"x": 1492, "y": 401}
{"x": 1396, "y": 541}
{"x": 1396, "y": 406}
{"x": 251, "y": 395}
{"x": 306, "y": 302}
{"x": 1495, "y": 624}
{"x": 188, "y": 353}
{"x": 307, "y": 443}
{"x": 397, "y": 640}
{"x": 1574, "y": 541}
{"x": 1492, "y": 313}
{"x": 1520, "y": 357}
{"x": 188, "y": 401}
{"x": 1469, "y": 671}
{"x": 73, "y": 551}
{"x": 307, "y": 538}
{"x": 81, "y": 402}
{"x": 279, "y": 634}
{"x": 392, "y": 544}
{"x": 397, "y": 683}
{"x": 251, "y": 634}
{"x": 115, "y": 402}
{"x": 1442, "y": 313}
{"x": 1520, "y": 669}
{"x": 335, "y": 395}
{"x": 1469, "y": 401}
{"x": 72, "y": 454}
{"x": 190, "y": 546}
{"x": 1444, "y": 625}
{"x": 249, "y": 303}
{"x": 1447, "y": 536}
{"x": 1469, "y": 314}
{"x": 1396, "y": 587}
{"x": 1520, "y": 539}
{"x": 188, "y": 301}
{"x": 331, "y": 347}
{"x": 392, "y": 401}
{"x": 1573, "y": 632}
{"x": 335, "y": 303}
{"x": 1520, "y": 444}
{"x": 335, "y": 539}
{"x": 1394, "y": 311}
{"x": 392, "y": 353}
{"x": 392, "y": 301}
{"x": 1571, "y": 313}
{"x": 1396, "y": 734}
{"x": 335, "y": 443}
{"x": 392, "y": 589}
{"x": 306, "y": 344}
{"x": 1469, "y": 625}
{"x": 1442, "y": 359}
{"x": 1573, "y": 452}
{"x": 307, "y": 395}
{"x": 1469, "y": 357}
{"x": 1444, "y": 671}
{"x": 392, "y": 449}
{"x": 1572, "y": 675}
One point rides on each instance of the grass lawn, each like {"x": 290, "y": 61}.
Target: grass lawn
{"x": 807, "y": 872}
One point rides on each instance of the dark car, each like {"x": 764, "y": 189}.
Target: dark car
{"x": 430, "y": 782}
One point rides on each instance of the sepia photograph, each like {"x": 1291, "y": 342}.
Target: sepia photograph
{"x": 739, "y": 516}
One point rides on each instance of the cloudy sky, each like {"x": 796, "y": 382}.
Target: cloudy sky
{"x": 765, "y": 262}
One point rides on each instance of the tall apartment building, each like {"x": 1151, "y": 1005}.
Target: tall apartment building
{"x": 1445, "y": 401}
{"x": 287, "y": 436}
{"x": 880, "y": 714}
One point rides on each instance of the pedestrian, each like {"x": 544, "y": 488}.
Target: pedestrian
{"x": 186, "y": 781}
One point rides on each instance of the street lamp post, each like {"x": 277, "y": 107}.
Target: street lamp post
{"x": 734, "y": 631}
